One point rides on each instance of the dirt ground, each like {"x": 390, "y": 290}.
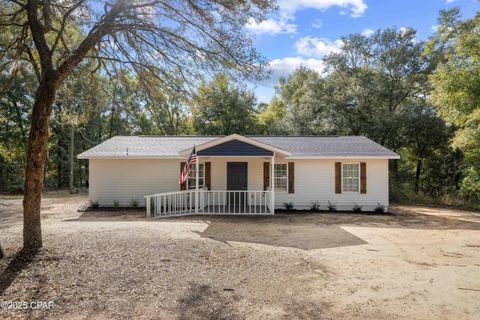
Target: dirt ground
{"x": 417, "y": 263}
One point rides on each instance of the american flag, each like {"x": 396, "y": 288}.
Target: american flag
{"x": 191, "y": 159}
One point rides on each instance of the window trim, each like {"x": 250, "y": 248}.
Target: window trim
{"x": 351, "y": 192}
{"x": 200, "y": 177}
{"x": 274, "y": 176}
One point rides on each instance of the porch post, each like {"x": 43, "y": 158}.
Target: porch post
{"x": 197, "y": 169}
{"x": 272, "y": 184}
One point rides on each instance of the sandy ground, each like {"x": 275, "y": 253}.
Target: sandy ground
{"x": 418, "y": 263}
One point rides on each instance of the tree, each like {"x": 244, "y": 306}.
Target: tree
{"x": 305, "y": 99}
{"x": 169, "y": 39}
{"x": 371, "y": 78}
{"x": 424, "y": 134}
{"x": 456, "y": 81}
{"x": 221, "y": 108}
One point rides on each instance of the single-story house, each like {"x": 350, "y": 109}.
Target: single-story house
{"x": 239, "y": 174}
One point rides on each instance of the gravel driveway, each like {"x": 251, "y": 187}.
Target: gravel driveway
{"x": 115, "y": 265}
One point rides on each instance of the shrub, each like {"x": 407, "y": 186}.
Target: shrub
{"x": 315, "y": 206}
{"x": 356, "y": 208}
{"x": 116, "y": 204}
{"x": 288, "y": 205}
{"x": 379, "y": 208}
{"x": 331, "y": 207}
{"x": 94, "y": 204}
{"x": 134, "y": 204}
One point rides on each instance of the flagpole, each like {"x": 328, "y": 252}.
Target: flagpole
{"x": 197, "y": 169}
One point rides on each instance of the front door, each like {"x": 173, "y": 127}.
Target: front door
{"x": 237, "y": 180}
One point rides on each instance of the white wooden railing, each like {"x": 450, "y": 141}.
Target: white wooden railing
{"x": 227, "y": 202}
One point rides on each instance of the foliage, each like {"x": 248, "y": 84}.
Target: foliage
{"x": 222, "y": 108}
{"x": 456, "y": 80}
{"x": 94, "y": 204}
{"x": 315, "y": 206}
{"x": 470, "y": 186}
{"x": 134, "y": 204}
{"x": 380, "y": 208}
{"x": 116, "y": 204}
{"x": 331, "y": 207}
{"x": 288, "y": 205}
{"x": 356, "y": 208}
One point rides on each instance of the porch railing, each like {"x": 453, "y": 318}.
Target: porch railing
{"x": 226, "y": 202}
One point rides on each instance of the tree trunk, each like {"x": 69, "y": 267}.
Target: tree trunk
{"x": 72, "y": 158}
{"x": 417, "y": 175}
{"x": 1, "y": 252}
{"x": 37, "y": 148}
{"x": 112, "y": 113}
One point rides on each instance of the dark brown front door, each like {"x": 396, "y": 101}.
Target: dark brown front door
{"x": 237, "y": 180}
{"x": 237, "y": 175}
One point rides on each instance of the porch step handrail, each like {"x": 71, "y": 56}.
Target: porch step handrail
{"x": 210, "y": 202}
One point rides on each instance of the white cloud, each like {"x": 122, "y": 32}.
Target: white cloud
{"x": 367, "y": 32}
{"x": 316, "y": 47}
{"x": 356, "y": 7}
{"x": 271, "y": 26}
{"x": 434, "y": 28}
{"x": 317, "y": 23}
{"x": 450, "y": 1}
{"x": 286, "y": 66}
{"x": 282, "y": 23}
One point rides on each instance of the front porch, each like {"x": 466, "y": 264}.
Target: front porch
{"x": 226, "y": 202}
{"x": 233, "y": 175}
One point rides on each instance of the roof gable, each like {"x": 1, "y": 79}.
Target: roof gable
{"x": 235, "y": 148}
{"x": 247, "y": 140}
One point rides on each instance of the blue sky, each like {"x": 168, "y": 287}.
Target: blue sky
{"x": 303, "y": 31}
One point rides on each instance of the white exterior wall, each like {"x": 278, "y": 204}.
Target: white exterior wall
{"x": 124, "y": 180}
{"x": 315, "y": 181}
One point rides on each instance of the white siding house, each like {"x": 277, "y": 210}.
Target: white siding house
{"x": 342, "y": 171}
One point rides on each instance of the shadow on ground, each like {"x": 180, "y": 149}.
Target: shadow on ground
{"x": 20, "y": 261}
{"x": 305, "y": 231}
{"x": 305, "y": 237}
{"x": 121, "y": 215}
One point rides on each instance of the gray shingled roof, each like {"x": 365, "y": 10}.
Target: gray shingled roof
{"x": 298, "y": 146}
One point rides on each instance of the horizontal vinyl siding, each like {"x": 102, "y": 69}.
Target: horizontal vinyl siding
{"x": 315, "y": 181}
{"x": 124, "y": 180}
{"x": 235, "y": 148}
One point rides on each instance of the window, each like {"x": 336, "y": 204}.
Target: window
{"x": 281, "y": 177}
{"x": 350, "y": 177}
{"x": 191, "y": 176}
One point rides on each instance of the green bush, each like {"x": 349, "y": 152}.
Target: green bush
{"x": 356, "y": 208}
{"x": 315, "y": 206}
{"x": 116, "y": 204}
{"x": 331, "y": 207}
{"x": 288, "y": 205}
{"x": 380, "y": 208}
{"x": 134, "y": 204}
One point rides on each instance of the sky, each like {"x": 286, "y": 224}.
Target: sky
{"x": 301, "y": 32}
